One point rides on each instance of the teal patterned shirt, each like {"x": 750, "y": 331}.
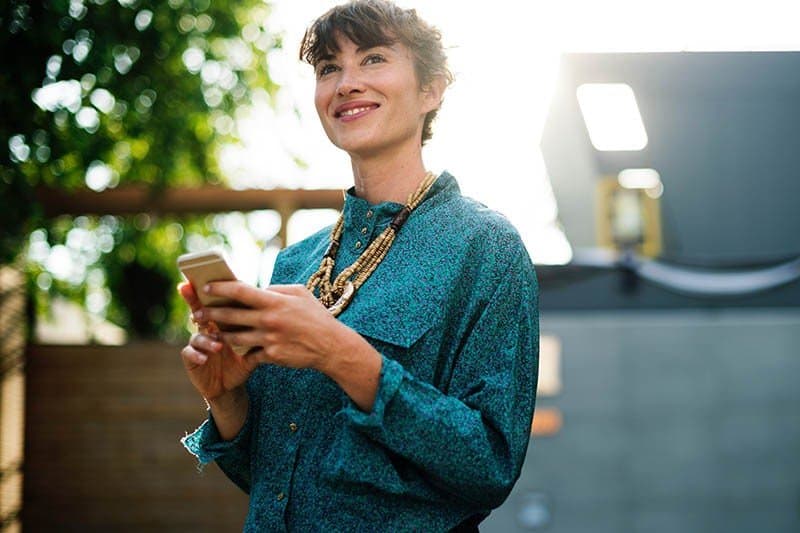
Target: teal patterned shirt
{"x": 453, "y": 311}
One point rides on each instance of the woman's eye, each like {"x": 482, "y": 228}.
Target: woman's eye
{"x": 373, "y": 58}
{"x": 326, "y": 69}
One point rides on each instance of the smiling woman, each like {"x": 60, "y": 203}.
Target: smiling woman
{"x": 369, "y": 100}
{"x": 393, "y": 378}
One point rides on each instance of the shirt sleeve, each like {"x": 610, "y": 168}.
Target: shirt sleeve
{"x": 472, "y": 441}
{"x": 232, "y": 456}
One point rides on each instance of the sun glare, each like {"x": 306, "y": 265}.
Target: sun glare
{"x": 612, "y": 116}
{"x": 505, "y": 59}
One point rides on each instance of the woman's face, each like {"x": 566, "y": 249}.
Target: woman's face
{"x": 369, "y": 100}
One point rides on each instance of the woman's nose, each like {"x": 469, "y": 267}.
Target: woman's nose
{"x": 349, "y": 82}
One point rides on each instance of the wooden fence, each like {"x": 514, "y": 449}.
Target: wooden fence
{"x": 102, "y": 444}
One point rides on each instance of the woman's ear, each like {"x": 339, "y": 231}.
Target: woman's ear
{"x": 433, "y": 93}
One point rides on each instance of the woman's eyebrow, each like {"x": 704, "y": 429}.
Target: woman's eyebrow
{"x": 330, "y": 56}
{"x": 362, "y": 49}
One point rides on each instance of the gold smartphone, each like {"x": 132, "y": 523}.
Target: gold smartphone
{"x": 204, "y": 267}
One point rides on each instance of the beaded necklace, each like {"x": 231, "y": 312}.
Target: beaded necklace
{"x": 336, "y": 295}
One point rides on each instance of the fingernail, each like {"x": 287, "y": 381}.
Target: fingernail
{"x": 198, "y": 315}
{"x": 216, "y": 345}
{"x": 202, "y": 358}
{"x": 207, "y": 288}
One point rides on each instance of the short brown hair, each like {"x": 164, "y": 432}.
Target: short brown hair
{"x": 369, "y": 23}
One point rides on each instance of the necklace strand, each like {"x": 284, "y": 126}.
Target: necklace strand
{"x": 336, "y": 295}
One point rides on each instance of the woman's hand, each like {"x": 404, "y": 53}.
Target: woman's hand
{"x": 213, "y": 368}
{"x": 289, "y": 327}
{"x": 286, "y": 324}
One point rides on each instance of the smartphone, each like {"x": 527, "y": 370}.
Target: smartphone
{"x": 204, "y": 267}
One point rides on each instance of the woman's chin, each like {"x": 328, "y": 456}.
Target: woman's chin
{"x": 360, "y": 149}
{"x": 370, "y": 147}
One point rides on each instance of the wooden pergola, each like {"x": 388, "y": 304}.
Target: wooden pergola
{"x": 134, "y": 199}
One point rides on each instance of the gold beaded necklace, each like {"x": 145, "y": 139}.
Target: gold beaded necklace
{"x": 336, "y": 295}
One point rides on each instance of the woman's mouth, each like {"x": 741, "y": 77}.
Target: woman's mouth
{"x": 354, "y": 111}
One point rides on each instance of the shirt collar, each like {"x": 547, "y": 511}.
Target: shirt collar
{"x": 357, "y": 210}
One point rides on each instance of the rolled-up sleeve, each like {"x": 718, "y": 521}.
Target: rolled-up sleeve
{"x": 470, "y": 441}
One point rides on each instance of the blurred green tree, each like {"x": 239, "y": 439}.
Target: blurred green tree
{"x": 99, "y": 93}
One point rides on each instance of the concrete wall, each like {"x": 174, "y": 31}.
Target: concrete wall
{"x": 673, "y": 421}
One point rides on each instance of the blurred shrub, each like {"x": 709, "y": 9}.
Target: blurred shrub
{"x": 99, "y": 93}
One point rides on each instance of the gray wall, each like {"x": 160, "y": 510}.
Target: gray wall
{"x": 684, "y": 420}
{"x": 723, "y": 133}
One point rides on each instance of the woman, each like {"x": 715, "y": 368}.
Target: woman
{"x": 392, "y": 385}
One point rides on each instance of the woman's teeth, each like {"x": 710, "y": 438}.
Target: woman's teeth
{"x": 354, "y": 111}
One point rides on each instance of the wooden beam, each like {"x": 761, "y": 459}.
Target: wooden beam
{"x": 132, "y": 199}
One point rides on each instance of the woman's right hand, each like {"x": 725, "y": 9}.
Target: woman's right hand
{"x": 213, "y": 368}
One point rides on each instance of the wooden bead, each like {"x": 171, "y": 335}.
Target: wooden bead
{"x": 337, "y": 295}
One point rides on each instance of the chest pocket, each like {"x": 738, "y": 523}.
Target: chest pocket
{"x": 393, "y": 323}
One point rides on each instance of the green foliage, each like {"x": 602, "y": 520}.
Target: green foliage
{"x": 120, "y": 269}
{"x": 105, "y": 92}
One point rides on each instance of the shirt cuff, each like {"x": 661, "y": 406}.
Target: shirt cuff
{"x": 207, "y": 445}
{"x": 391, "y": 377}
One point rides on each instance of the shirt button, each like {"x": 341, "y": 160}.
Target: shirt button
{"x": 281, "y": 496}
{"x": 363, "y": 231}
{"x": 369, "y": 213}
{"x": 293, "y": 427}
{"x": 358, "y": 244}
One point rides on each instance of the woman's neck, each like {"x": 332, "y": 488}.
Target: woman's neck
{"x": 388, "y": 179}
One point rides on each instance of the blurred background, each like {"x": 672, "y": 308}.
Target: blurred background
{"x": 647, "y": 151}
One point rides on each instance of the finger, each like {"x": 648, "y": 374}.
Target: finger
{"x": 296, "y": 291}
{"x": 242, "y": 338}
{"x": 241, "y": 292}
{"x": 253, "y": 358}
{"x": 233, "y": 316}
{"x": 207, "y": 328}
{"x": 192, "y": 357}
{"x": 256, "y": 356}
{"x": 292, "y": 290}
{"x": 188, "y": 293}
{"x": 244, "y": 353}
{"x": 205, "y": 343}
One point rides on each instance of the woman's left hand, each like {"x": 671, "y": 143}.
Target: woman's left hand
{"x": 285, "y": 323}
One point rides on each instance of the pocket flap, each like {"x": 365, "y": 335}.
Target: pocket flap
{"x": 392, "y": 313}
